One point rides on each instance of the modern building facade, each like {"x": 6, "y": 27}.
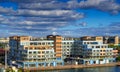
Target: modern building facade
{"x": 26, "y": 51}
{"x": 94, "y": 51}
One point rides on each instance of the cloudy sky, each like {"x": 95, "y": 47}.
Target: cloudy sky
{"x": 62, "y": 17}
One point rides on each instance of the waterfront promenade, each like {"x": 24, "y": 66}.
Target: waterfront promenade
{"x": 71, "y": 66}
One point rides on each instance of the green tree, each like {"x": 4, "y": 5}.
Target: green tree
{"x": 118, "y": 59}
{"x": 114, "y": 46}
{"x": 9, "y": 70}
{"x": 20, "y": 70}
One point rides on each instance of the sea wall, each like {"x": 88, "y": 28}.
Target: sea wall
{"x": 71, "y": 66}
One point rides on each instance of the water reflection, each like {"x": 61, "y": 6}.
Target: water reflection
{"x": 97, "y": 69}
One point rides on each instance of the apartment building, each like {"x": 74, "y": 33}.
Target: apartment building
{"x": 94, "y": 51}
{"x": 26, "y": 52}
{"x": 4, "y": 40}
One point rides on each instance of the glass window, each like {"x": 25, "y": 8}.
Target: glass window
{"x": 26, "y": 47}
{"x": 39, "y": 43}
{"x": 47, "y": 51}
{"x": 30, "y": 52}
{"x": 43, "y": 43}
{"x": 97, "y": 46}
{"x": 34, "y": 52}
{"x": 39, "y": 52}
{"x": 43, "y": 51}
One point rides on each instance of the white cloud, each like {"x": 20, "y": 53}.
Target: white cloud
{"x": 104, "y": 5}
{"x": 49, "y": 15}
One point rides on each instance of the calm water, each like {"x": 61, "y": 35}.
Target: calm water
{"x": 97, "y": 69}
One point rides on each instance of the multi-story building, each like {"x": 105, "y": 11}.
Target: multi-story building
{"x": 95, "y": 52}
{"x": 111, "y": 40}
{"x": 26, "y": 52}
{"x": 4, "y": 40}
{"x": 69, "y": 46}
{"x": 53, "y": 50}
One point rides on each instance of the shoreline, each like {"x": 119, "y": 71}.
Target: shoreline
{"x": 71, "y": 67}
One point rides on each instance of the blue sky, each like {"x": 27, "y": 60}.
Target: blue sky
{"x": 62, "y": 17}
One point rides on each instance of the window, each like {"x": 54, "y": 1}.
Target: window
{"x": 48, "y": 42}
{"x": 31, "y": 43}
{"x": 43, "y": 47}
{"x": 30, "y": 52}
{"x": 39, "y": 43}
{"x": 71, "y": 43}
{"x": 68, "y": 46}
{"x": 38, "y": 56}
{"x": 43, "y": 56}
{"x": 34, "y": 52}
{"x": 67, "y": 49}
{"x": 35, "y": 47}
{"x": 88, "y": 43}
{"x": 43, "y": 43}
{"x": 67, "y": 42}
{"x": 39, "y": 52}
{"x": 97, "y": 46}
{"x": 84, "y": 42}
{"x": 26, "y": 48}
{"x": 97, "y": 50}
{"x": 51, "y": 56}
{"x": 43, "y": 52}
{"x": 47, "y": 51}
{"x": 35, "y": 43}
{"x": 30, "y": 47}
{"x": 51, "y": 52}
{"x": 38, "y": 48}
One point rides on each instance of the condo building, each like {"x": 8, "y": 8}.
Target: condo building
{"x": 25, "y": 52}
{"x": 93, "y": 51}
{"x": 53, "y": 50}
